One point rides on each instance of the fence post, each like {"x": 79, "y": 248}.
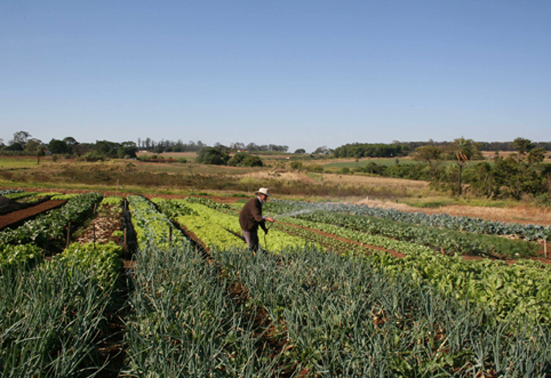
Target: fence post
{"x": 170, "y": 236}
{"x": 68, "y": 235}
{"x": 124, "y": 247}
{"x": 94, "y": 229}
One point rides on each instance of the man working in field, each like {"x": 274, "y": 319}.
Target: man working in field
{"x": 251, "y": 217}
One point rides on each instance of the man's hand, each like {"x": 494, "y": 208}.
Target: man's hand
{"x": 270, "y": 219}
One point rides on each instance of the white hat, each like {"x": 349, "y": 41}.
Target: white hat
{"x": 264, "y": 191}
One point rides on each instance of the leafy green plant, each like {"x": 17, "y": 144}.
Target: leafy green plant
{"x": 49, "y": 230}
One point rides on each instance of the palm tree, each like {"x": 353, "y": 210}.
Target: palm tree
{"x": 463, "y": 149}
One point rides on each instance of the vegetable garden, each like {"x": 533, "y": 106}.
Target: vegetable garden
{"x": 337, "y": 290}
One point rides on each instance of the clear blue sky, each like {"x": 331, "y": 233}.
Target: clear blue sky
{"x": 298, "y": 73}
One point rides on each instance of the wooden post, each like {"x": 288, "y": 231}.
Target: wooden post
{"x": 124, "y": 247}
{"x": 68, "y": 235}
{"x": 95, "y": 208}
{"x": 442, "y": 251}
{"x": 170, "y": 236}
{"x": 94, "y": 229}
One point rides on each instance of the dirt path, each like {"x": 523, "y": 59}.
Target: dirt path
{"x": 19, "y": 216}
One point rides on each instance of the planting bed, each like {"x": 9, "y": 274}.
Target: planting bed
{"x": 15, "y": 218}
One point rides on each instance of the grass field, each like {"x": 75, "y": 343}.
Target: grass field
{"x": 19, "y": 162}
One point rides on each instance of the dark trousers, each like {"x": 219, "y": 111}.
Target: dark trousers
{"x": 251, "y": 237}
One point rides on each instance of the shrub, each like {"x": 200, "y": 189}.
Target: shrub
{"x": 212, "y": 156}
{"x": 315, "y": 168}
{"x": 94, "y": 156}
{"x": 296, "y": 165}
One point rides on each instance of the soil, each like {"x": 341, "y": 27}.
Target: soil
{"x": 101, "y": 228}
{"x": 16, "y": 218}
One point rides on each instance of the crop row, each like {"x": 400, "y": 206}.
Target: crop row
{"x": 458, "y": 223}
{"x": 49, "y": 230}
{"x": 9, "y": 191}
{"x": 52, "y": 317}
{"x": 217, "y": 229}
{"x": 153, "y": 227}
{"x": 343, "y": 316}
{"x": 183, "y": 321}
{"x": 518, "y": 290}
{"x": 450, "y": 241}
{"x": 523, "y": 288}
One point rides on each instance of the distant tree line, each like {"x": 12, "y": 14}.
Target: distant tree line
{"x": 23, "y": 144}
{"x": 458, "y": 167}
{"x": 398, "y": 149}
{"x": 161, "y": 146}
{"x": 361, "y": 150}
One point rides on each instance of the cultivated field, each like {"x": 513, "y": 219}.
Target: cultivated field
{"x": 126, "y": 285}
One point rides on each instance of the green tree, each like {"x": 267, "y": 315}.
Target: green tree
{"x": 522, "y": 146}
{"x": 243, "y": 159}
{"x": 536, "y": 155}
{"x": 463, "y": 150}
{"x": 21, "y": 137}
{"x": 57, "y": 146}
{"x": 432, "y": 156}
{"x": 212, "y": 156}
{"x": 33, "y": 145}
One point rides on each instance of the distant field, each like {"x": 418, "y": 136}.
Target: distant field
{"x": 10, "y": 162}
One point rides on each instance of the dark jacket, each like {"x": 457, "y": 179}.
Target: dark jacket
{"x": 251, "y": 216}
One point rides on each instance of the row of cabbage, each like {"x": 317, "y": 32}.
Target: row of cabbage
{"x": 449, "y": 241}
{"x": 52, "y": 312}
{"x": 183, "y": 322}
{"x": 216, "y": 229}
{"x": 459, "y": 223}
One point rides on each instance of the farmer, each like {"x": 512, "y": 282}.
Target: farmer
{"x": 251, "y": 217}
